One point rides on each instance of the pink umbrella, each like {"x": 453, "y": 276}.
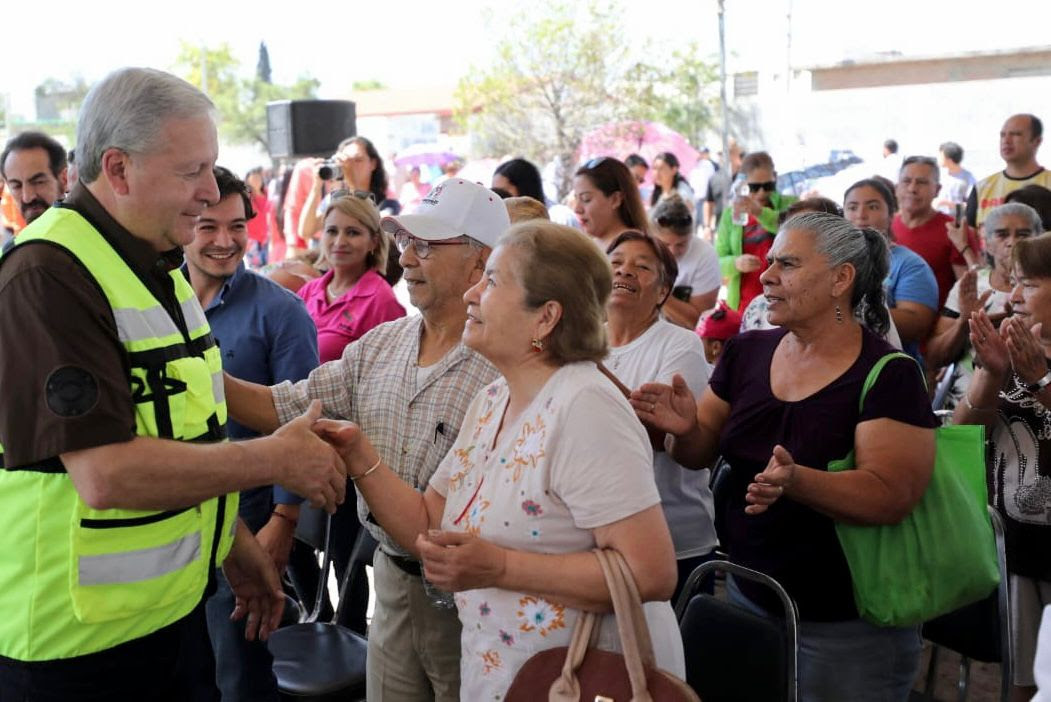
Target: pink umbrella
{"x": 647, "y": 139}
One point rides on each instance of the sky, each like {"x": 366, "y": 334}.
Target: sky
{"x": 437, "y": 42}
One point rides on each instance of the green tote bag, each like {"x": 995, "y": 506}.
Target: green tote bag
{"x": 942, "y": 556}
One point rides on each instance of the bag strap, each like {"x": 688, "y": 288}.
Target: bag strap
{"x": 871, "y": 378}
{"x": 566, "y": 686}
{"x": 635, "y": 640}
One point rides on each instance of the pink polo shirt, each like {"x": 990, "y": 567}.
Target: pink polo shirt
{"x": 369, "y": 303}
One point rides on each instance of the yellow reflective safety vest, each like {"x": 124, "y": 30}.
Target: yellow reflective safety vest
{"x": 76, "y": 580}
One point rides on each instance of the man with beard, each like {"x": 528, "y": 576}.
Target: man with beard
{"x": 34, "y": 166}
{"x": 265, "y": 335}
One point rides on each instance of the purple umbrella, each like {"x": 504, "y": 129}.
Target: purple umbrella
{"x": 647, "y": 139}
{"x": 425, "y": 155}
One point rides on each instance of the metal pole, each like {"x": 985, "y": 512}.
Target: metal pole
{"x": 722, "y": 88}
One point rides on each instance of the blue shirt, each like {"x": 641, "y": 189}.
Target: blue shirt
{"x": 265, "y": 336}
{"x": 910, "y": 280}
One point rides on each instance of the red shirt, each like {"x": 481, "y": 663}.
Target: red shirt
{"x": 369, "y": 303}
{"x": 259, "y": 226}
{"x": 756, "y": 241}
{"x": 931, "y": 241}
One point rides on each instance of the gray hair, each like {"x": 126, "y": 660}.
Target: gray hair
{"x": 1012, "y": 209}
{"x": 127, "y": 109}
{"x": 928, "y": 161}
{"x": 865, "y": 249}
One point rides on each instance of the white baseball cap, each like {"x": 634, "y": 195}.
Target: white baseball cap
{"x": 455, "y": 207}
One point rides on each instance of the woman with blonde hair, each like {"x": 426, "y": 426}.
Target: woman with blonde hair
{"x": 550, "y": 462}
{"x": 352, "y": 297}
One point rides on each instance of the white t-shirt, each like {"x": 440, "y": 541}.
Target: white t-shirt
{"x": 658, "y": 354}
{"x": 963, "y": 371}
{"x": 699, "y": 267}
{"x": 577, "y": 458}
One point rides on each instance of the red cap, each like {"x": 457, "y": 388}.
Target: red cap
{"x": 721, "y": 323}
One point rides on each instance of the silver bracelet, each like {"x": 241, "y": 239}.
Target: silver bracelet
{"x": 356, "y": 478}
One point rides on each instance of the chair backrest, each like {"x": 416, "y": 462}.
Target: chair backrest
{"x": 718, "y": 484}
{"x": 315, "y": 529}
{"x": 735, "y": 654}
{"x": 981, "y": 630}
{"x": 941, "y": 390}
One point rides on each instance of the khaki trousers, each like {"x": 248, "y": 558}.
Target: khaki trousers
{"x": 414, "y": 647}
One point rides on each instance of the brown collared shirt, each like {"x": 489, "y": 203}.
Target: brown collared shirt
{"x": 62, "y": 371}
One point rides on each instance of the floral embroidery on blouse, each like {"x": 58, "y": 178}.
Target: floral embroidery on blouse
{"x": 476, "y": 517}
{"x": 491, "y": 661}
{"x": 507, "y": 638}
{"x": 539, "y": 615}
{"x": 529, "y": 447}
{"x": 533, "y": 509}
{"x": 484, "y": 610}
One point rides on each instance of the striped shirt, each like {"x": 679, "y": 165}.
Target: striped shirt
{"x": 411, "y": 417}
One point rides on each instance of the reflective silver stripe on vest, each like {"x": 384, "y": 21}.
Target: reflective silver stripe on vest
{"x": 192, "y": 313}
{"x": 143, "y": 325}
{"x": 143, "y": 564}
{"x": 218, "y": 391}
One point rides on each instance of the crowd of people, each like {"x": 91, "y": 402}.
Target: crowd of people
{"x": 201, "y": 354}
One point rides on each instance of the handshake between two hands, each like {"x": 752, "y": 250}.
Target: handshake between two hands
{"x": 313, "y": 456}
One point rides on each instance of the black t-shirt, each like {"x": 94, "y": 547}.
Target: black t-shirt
{"x": 791, "y": 542}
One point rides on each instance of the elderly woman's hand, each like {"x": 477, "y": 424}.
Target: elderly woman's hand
{"x": 771, "y": 484}
{"x": 970, "y": 301}
{"x": 456, "y": 561}
{"x": 668, "y": 408}
{"x": 989, "y": 345}
{"x": 1023, "y": 346}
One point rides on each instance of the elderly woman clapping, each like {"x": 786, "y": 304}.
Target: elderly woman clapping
{"x": 647, "y": 348}
{"x": 550, "y": 462}
{"x": 781, "y": 405}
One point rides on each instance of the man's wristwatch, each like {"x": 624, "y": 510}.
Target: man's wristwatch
{"x": 1040, "y": 384}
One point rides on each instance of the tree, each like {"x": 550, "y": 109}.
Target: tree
{"x": 556, "y": 76}
{"x": 241, "y": 102}
{"x": 262, "y": 67}
{"x": 683, "y": 95}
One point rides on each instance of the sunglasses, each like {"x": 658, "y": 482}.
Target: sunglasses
{"x": 403, "y": 240}
{"x": 596, "y": 162}
{"x": 768, "y": 186}
{"x": 360, "y": 194}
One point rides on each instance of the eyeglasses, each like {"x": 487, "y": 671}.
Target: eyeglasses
{"x": 346, "y": 192}
{"x": 768, "y": 186}
{"x": 403, "y": 239}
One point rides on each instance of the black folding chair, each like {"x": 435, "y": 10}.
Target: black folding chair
{"x": 980, "y": 631}
{"x": 322, "y": 660}
{"x": 941, "y": 390}
{"x": 733, "y": 654}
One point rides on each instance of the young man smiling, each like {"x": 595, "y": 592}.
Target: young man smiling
{"x": 265, "y": 336}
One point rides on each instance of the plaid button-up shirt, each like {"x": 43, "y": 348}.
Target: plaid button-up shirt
{"x": 374, "y": 384}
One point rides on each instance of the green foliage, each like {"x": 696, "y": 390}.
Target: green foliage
{"x": 363, "y": 85}
{"x": 241, "y": 102}
{"x": 557, "y": 75}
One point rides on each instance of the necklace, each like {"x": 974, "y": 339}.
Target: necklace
{"x": 332, "y": 293}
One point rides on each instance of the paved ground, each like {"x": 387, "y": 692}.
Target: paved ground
{"x": 984, "y": 679}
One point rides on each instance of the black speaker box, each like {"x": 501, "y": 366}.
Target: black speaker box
{"x": 298, "y": 128}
